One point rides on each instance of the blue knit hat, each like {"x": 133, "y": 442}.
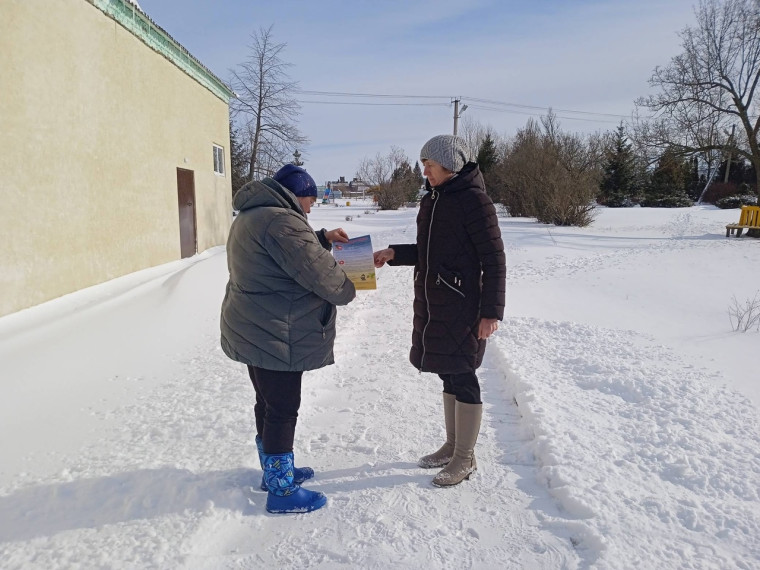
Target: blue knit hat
{"x": 297, "y": 180}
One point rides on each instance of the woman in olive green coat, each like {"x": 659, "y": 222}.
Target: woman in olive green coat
{"x": 278, "y": 316}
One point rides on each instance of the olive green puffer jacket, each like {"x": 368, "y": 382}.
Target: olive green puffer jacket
{"x": 279, "y": 309}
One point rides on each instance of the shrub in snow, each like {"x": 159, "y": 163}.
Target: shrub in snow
{"x": 745, "y": 316}
{"x": 667, "y": 202}
{"x": 736, "y": 201}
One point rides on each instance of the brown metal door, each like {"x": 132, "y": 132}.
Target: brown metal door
{"x": 186, "y": 201}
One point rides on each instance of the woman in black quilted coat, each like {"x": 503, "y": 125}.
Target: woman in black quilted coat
{"x": 459, "y": 287}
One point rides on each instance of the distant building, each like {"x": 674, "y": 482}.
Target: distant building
{"x": 325, "y": 194}
{"x": 356, "y": 188}
{"x": 114, "y": 154}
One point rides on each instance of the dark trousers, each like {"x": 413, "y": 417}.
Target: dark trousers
{"x": 278, "y": 397}
{"x": 465, "y": 387}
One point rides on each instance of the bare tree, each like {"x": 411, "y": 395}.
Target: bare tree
{"x": 708, "y": 99}
{"x": 265, "y": 105}
{"x": 384, "y": 174}
{"x": 520, "y": 172}
{"x": 474, "y": 134}
{"x": 379, "y": 170}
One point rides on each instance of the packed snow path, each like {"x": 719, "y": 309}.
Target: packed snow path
{"x": 177, "y": 483}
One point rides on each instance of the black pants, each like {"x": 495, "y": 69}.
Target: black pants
{"x": 465, "y": 387}
{"x": 278, "y": 397}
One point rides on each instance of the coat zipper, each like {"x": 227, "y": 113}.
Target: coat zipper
{"x": 434, "y": 198}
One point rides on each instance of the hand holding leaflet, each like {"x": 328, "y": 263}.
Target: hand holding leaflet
{"x": 355, "y": 258}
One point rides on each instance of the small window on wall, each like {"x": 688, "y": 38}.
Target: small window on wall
{"x": 219, "y": 160}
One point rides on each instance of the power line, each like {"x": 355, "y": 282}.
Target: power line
{"x": 344, "y": 94}
{"x": 502, "y": 106}
{"x": 481, "y": 107}
{"x": 545, "y": 108}
{"x": 360, "y": 103}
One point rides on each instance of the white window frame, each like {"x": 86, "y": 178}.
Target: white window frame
{"x": 219, "y": 160}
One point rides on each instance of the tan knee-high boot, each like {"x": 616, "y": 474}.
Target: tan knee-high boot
{"x": 467, "y": 421}
{"x": 444, "y": 454}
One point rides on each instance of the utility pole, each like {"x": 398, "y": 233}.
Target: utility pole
{"x": 457, "y": 113}
{"x": 730, "y": 154}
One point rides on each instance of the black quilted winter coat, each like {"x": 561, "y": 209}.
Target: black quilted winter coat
{"x": 459, "y": 274}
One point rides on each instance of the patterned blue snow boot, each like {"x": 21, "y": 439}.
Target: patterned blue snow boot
{"x": 300, "y": 474}
{"x": 285, "y": 496}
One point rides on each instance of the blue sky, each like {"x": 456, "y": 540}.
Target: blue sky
{"x": 589, "y": 56}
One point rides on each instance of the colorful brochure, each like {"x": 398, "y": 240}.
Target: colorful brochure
{"x": 355, "y": 258}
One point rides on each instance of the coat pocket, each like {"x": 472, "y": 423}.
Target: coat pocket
{"x": 451, "y": 280}
{"x": 327, "y": 319}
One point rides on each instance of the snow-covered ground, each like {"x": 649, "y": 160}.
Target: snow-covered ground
{"x": 620, "y": 426}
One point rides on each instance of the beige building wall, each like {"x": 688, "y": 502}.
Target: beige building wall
{"x": 94, "y": 125}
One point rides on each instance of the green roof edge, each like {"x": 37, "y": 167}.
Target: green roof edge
{"x": 138, "y": 23}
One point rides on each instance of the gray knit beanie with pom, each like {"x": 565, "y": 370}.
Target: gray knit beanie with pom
{"x": 447, "y": 150}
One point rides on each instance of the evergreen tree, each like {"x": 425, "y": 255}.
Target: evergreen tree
{"x": 488, "y": 161}
{"x": 402, "y": 172}
{"x": 669, "y": 182}
{"x": 695, "y": 186}
{"x": 618, "y": 186}
{"x": 404, "y": 181}
{"x": 238, "y": 161}
{"x": 487, "y": 155}
{"x": 418, "y": 177}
